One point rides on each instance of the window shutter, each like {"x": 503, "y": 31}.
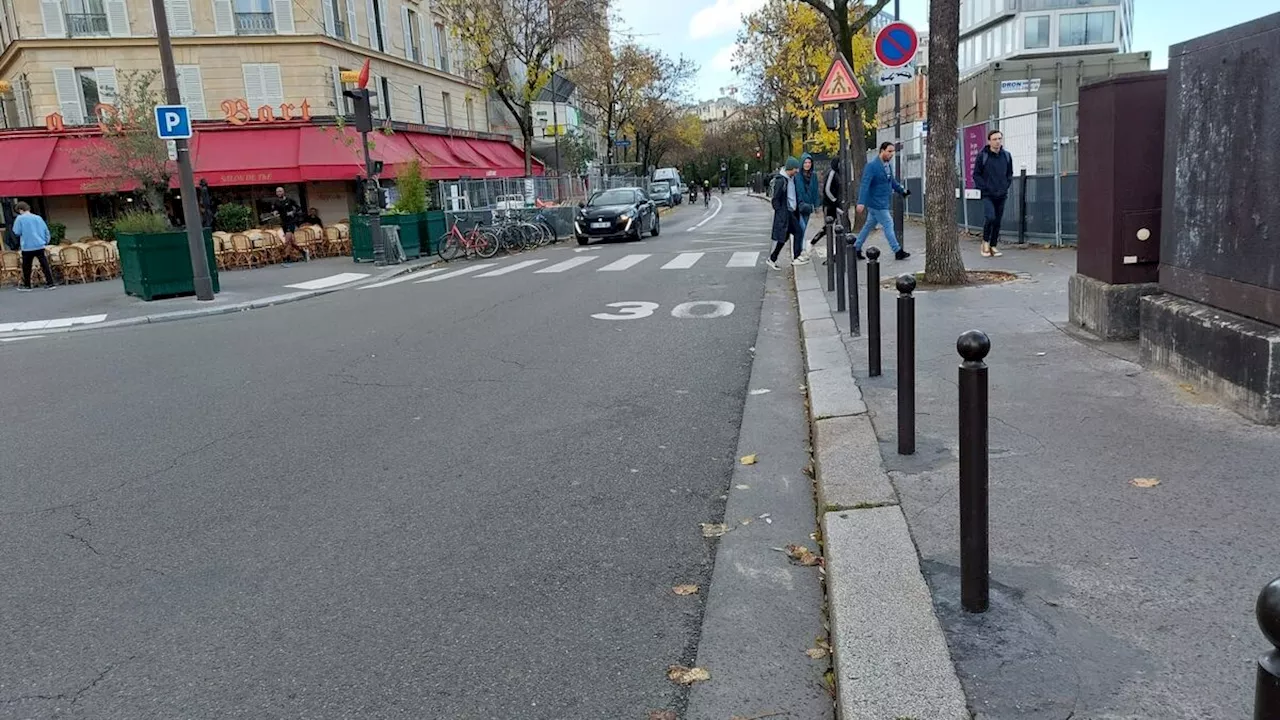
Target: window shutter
{"x": 224, "y": 19}
{"x": 284, "y": 17}
{"x": 179, "y": 14}
{"x": 382, "y": 24}
{"x": 22, "y": 94}
{"x": 330, "y": 28}
{"x": 272, "y": 88}
{"x": 107, "y": 87}
{"x": 425, "y": 49}
{"x": 407, "y": 32}
{"x": 339, "y": 102}
{"x": 191, "y": 89}
{"x": 352, "y": 36}
{"x": 371, "y": 16}
{"x": 375, "y": 99}
{"x": 54, "y": 24}
{"x": 117, "y": 18}
{"x": 70, "y": 103}
{"x": 254, "y": 94}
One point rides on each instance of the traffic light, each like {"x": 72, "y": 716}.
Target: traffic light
{"x": 757, "y": 154}
{"x": 361, "y": 107}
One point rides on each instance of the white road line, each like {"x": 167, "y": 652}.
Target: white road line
{"x": 511, "y": 268}
{"x": 20, "y": 337}
{"x": 406, "y": 278}
{"x": 683, "y": 261}
{"x": 743, "y": 259}
{"x": 456, "y": 273}
{"x": 328, "y": 282}
{"x": 719, "y": 206}
{"x": 567, "y": 264}
{"x": 624, "y": 263}
{"x": 55, "y": 323}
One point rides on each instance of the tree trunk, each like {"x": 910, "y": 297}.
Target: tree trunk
{"x": 526, "y": 133}
{"x": 943, "y": 264}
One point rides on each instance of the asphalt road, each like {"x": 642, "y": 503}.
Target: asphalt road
{"x": 462, "y": 498}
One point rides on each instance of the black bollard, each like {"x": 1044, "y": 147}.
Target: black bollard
{"x": 906, "y": 285}
{"x": 973, "y": 346}
{"x": 839, "y": 261}
{"x": 873, "y": 311}
{"x": 1266, "y": 699}
{"x": 828, "y": 227}
{"x": 851, "y": 279}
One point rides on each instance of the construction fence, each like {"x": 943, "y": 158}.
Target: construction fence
{"x": 1042, "y": 203}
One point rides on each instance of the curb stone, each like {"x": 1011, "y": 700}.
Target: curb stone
{"x": 891, "y": 658}
{"x": 244, "y": 306}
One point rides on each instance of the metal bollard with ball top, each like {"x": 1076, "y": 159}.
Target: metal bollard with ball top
{"x": 828, "y": 228}
{"x": 1266, "y": 700}
{"x": 906, "y": 285}
{"x": 840, "y": 266}
{"x": 973, "y": 347}
{"x": 873, "y": 311}
{"x": 851, "y": 278}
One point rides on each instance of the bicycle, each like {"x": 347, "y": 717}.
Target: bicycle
{"x": 706, "y": 199}
{"x": 477, "y": 240}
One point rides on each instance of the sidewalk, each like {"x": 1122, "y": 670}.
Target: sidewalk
{"x": 1108, "y": 600}
{"x": 104, "y": 303}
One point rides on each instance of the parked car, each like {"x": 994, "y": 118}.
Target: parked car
{"x": 660, "y": 193}
{"x": 671, "y": 175}
{"x": 617, "y": 213}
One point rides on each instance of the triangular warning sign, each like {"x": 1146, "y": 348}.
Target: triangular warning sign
{"x": 839, "y": 86}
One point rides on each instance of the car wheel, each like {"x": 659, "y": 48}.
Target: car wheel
{"x": 657, "y": 226}
{"x": 582, "y": 240}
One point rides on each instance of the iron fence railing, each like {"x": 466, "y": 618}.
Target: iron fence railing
{"x": 87, "y": 24}
{"x": 255, "y": 23}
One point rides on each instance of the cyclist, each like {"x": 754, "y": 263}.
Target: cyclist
{"x": 693, "y": 192}
{"x": 724, "y": 183}
{"x": 706, "y": 193}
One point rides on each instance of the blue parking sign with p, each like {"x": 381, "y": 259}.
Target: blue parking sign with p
{"x": 173, "y": 122}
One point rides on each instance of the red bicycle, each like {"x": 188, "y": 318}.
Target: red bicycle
{"x": 477, "y": 241}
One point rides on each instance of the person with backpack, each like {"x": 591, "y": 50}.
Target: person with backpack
{"x": 786, "y": 212}
{"x": 992, "y": 175}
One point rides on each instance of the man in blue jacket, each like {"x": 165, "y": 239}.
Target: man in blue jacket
{"x": 874, "y": 196}
{"x": 992, "y": 175}
{"x": 33, "y": 233}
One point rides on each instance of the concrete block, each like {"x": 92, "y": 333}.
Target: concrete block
{"x": 825, "y": 352}
{"x": 1236, "y": 358}
{"x": 806, "y": 281}
{"x": 891, "y": 658}
{"x": 833, "y": 393}
{"x": 821, "y": 327}
{"x": 1109, "y": 311}
{"x": 813, "y": 305}
{"x": 850, "y": 470}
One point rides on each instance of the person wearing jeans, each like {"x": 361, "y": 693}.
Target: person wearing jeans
{"x": 33, "y": 233}
{"x": 874, "y": 195}
{"x": 992, "y": 175}
{"x": 786, "y": 213}
{"x": 809, "y": 191}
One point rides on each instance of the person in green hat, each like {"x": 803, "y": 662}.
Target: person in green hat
{"x": 786, "y": 212}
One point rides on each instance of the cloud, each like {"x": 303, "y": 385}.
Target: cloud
{"x": 723, "y": 59}
{"x": 722, "y": 18}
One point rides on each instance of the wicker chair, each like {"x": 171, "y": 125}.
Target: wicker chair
{"x": 101, "y": 265}
{"x": 336, "y": 244}
{"x": 75, "y": 264}
{"x": 243, "y": 253}
{"x": 11, "y": 266}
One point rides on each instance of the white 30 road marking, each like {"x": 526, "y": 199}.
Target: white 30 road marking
{"x": 695, "y": 310}
{"x": 719, "y": 308}
{"x": 628, "y": 310}
{"x": 710, "y": 217}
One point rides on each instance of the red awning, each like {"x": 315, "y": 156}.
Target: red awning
{"x": 22, "y": 164}
{"x": 66, "y": 173}
{"x": 330, "y": 153}
{"x": 247, "y": 156}
{"x": 442, "y": 164}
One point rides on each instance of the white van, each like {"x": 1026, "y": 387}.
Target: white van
{"x": 672, "y": 176}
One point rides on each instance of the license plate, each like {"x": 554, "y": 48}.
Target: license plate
{"x": 600, "y": 225}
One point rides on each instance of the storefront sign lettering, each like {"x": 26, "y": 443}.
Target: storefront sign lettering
{"x": 237, "y": 112}
{"x": 247, "y": 178}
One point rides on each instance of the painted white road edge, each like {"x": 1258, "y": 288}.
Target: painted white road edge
{"x": 330, "y": 281}
{"x": 709, "y": 218}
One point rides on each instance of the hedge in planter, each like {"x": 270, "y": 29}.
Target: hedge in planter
{"x": 155, "y": 259}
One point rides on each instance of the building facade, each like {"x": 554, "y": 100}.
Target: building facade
{"x": 260, "y": 78}
{"x": 992, "y": 30}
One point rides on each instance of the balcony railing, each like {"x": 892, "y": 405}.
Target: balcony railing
{"x": 256, "y": 23}
{"x": 339, "y": 30}
{"x": 87, "y": 24}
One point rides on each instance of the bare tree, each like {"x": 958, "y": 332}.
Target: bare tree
{"x": 611, "y": 83}
{"x": 943, "y": 264}
{"x": 515, "y": 44}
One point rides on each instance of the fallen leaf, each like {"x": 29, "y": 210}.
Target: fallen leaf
{"x": 1187, "y": 388}
{"x": 816, "y": 653}
{"x": 745, "y": 521}
{"x": 685, "y": 589}
{"x": 743, "y": 487}
{"x": 749, "y": 459}
{"x": 1145, "y": 482}
{"x": 764, "y": 515}
{"x": 663, "y": 715}
{"x": 682, "y": 675}
{"x": 714, "y": 529}
{"x": 800, "y": 555}
{"x": 760, "y": 391}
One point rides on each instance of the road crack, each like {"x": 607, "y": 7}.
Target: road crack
{"x": 74, "y": 696}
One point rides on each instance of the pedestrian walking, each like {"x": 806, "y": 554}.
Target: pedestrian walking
{"x": 874, "y": 195}
{"x": 33, "y": 235}
{"x": 809, "y": 191}
{"x": 992, "y": 175}
{"x": 290, "y": 213}
{"x": 786, "y": 213}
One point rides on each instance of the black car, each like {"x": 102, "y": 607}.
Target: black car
{"x": 614, "y": 214}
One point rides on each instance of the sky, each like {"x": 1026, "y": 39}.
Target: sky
{"x": 705, "y": 30}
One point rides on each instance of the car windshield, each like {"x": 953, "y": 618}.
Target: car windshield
{"x": 614, "y": 197}
{"x": 659, "y": 188}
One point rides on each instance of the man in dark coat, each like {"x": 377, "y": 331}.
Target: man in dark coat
{"x": 786, "y": 211}
{"x": 992, "y": 175}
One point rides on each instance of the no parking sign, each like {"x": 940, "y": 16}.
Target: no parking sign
{"x": 896, "y": 44}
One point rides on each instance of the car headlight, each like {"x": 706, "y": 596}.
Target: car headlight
{"x": 627, "y": 215}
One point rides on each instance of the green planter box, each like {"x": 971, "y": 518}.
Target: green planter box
{"x": 436, "y": 227}
{"x": 415, "y": 237}
{"x": 156, "y": 265}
